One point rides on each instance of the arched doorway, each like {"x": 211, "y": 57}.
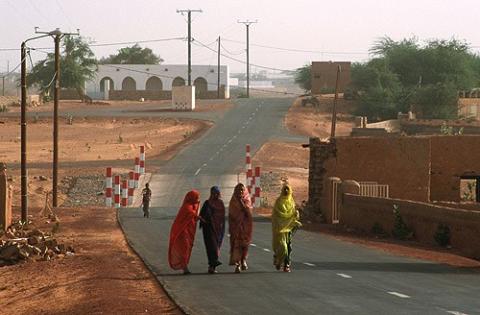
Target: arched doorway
{"x": 129, "y": 84}
{"x": 102, "y": 84}
{"x": 178, "y": 81}
{"x": 201, "y": 86}
{"x": 153, "y": 84}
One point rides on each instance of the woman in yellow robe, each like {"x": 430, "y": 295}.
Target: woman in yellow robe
{"x": 285, "y": 219}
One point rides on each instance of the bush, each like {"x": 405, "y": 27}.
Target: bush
{"x": 400, "y": 229}
{"x": 378, "y": 230}
{"x": 442, "y": 235}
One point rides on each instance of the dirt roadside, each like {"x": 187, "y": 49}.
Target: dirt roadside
{"x": 104, "y": 276}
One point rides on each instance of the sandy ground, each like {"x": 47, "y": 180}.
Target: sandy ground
{"x": 103, "y": 277}
{"x": 161, "y": 105}
{"x": 89, "y": 140}
{"x": 316, "y": 122}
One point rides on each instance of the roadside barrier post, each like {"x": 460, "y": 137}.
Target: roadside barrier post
{"x": 257, "y": 187}
{"x": 124, "y": 193}
{"x": 108, "y": 187}
{"x": 117, "y": 191}
{"x": 248, "y": 164}
{"x": 131, "y": 187}
{"x": 137, "y": 171}
{"x": 251, "y": 190}
{"x": 142, "y": 159}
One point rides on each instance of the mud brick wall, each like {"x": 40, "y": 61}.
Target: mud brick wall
{"x": 452, "y": 157}
{"x": 320, "y": 152}
{"x": 403, "y": 163}
{"x": 362, "y": 213}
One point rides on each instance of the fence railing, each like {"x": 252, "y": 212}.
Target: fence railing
{"x": 372, "y": 189}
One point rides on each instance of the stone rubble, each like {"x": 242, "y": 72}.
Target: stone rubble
{"x": 20, "y": 243}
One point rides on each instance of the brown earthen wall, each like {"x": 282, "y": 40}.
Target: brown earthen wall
{"x": 324, "y": 76}
{"x": 363, "y": 212}
{"x": 452, "y": 157}
{"x": 402, "y": 163}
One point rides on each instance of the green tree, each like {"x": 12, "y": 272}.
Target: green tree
{"x": 77, "y": 65}
{"x": 303, "y": 77}
{"x": 405, "y": 75}
{"x": 133, "y": 55}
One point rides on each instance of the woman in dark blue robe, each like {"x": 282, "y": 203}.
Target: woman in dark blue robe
{"x": 212, "y": 223}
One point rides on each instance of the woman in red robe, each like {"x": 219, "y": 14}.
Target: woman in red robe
{"x": 240, "y": 221}
{"x": 182, "y": 233}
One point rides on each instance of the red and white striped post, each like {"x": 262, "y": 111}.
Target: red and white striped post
{"x": 142, "y": 159}
{"x": 125, "y": 193}
{"x": 117, "y": 191}
{"x": 137, "y": 171}
{"x": 249, "y": 180}
{"x": 251, "y": 190}
{"x": 108, "y": 187}
{"x": 257, "y": 190}
{"x": 248, "y": 165}
{"x": 131, "y": 187}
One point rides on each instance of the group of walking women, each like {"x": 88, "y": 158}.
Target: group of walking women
{"x": 285, "y": 220}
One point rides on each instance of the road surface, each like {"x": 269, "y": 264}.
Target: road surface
{"x": 329, "y": 276}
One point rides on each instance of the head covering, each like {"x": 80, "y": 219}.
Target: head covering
{"x": 182, "y": 234}
{"x": 284, "y": 214}
{"x": 284, "y": 220}
{"x": 240, "y": 223}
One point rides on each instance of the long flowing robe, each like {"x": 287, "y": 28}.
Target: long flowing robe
{"x": 182, "y": 233}
{"x": 213, "y": 228}
{"x": 285, "y": 218}
{"x": 240, "y": 225}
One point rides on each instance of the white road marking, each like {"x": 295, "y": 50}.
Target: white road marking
{"x": 344, "y": 275}
{"x": 309, "y": 264}
{"x": 211, "y": 159}
{"x": 243, "y": 127}
{"x": 229, "y": 141}
{"x": 204, "y": 164}
{"x": 198, "y": 171}
{"x": 456, "y": 313}
{"x": 235, "y": 136}
{"x": 400, "y": 295}
{"x": 253, "y": 245}
{"x": 266, "y": 250}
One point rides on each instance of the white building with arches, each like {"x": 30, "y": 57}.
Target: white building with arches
{"x": 133, "y": 81}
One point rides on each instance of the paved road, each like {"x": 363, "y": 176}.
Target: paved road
{"x": 329, "y": 276}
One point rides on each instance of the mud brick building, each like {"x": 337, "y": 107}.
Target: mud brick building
{"x": 324, "y": 76}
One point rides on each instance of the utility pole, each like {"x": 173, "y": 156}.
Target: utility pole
{"x": 334, "y": 109}
{"x": 57, "y": 35}
{"x": 247, "y": 23}
{"x": 23, "y": 133}
{"x": 218, "y": 69}
{"x": 189, "y": 14}
{"x": 23, "y": 127}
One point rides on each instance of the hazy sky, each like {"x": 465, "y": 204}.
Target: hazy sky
{"x": 342, "y": 30}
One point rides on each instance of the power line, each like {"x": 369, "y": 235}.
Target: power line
{"x": 241, "y": 61}
{"x": 301, "y": 50}
{"x": 109, "y": 44}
